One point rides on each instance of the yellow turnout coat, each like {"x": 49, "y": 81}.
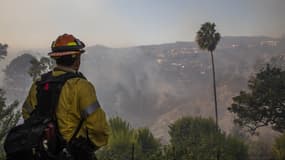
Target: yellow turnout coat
{"x": 77, "y": 95}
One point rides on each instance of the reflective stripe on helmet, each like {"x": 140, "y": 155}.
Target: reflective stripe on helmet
{"x": 71, "y": 44}
{"x": 59, "y": 54}
{"x": 90, "y": 109}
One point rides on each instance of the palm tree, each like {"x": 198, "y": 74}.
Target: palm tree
{"x": 207, "y": 39}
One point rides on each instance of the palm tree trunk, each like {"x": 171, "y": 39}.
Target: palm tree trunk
{"x": 214, "y": 86}
{"x": 216, "y": 108}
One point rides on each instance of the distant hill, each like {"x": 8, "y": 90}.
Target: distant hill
{"x": 156, "y": 84}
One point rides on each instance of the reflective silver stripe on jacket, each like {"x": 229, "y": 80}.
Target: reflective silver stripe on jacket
{"x": 90, "y": 109}
{"x": 28, "y": 107}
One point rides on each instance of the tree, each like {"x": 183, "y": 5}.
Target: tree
{"x": 207, "y": 39}
{"x": 124, "y": 141}
{"x": 264, "y": 103}
{"x": 120, "y": 142}
{"x": 3, "y": 50}
{"x": 279, "y": 148}
{"x": 234, "y": 149}
{"x": 17, "y": 81}
{"x": 260, "y": 150}
{"x": 8, "y": 119}
{"x": 148, "y": 145}
{"x": 9, "y": 116}
{"x": 194, "y": 138}
{"x": 39, "y": 67}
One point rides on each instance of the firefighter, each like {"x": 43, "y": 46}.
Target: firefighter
{"x": 77, "y": 100}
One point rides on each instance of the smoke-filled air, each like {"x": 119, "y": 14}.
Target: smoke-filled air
{"x": 183, "y": 80}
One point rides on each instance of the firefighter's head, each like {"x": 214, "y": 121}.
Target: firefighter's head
{"x": 66, "y": 51}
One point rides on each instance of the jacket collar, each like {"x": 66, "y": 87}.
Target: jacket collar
{"x": 64, "y": 69}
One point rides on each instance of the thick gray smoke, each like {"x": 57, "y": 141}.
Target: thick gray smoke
{"x": 129, "y": 82}
{"x": 142, "y": 83}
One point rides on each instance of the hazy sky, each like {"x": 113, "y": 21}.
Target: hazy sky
{"x": 117, "y": 23}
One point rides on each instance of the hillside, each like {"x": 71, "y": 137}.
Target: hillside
{"x": 154, "y": 85}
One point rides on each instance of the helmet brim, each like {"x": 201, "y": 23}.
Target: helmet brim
{"x": 60, "y": 54}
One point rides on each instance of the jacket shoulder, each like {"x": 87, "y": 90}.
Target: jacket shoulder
{"x": 81, "y": 82}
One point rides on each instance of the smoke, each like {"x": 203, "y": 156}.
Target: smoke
{"x": 150, "y": 84}
{"x": 142, "y": 83}
{"x": 128, "y": 82}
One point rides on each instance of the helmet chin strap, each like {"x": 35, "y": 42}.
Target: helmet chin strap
{"x": 76, "y": 68}
{"x": 76, "y": 64}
